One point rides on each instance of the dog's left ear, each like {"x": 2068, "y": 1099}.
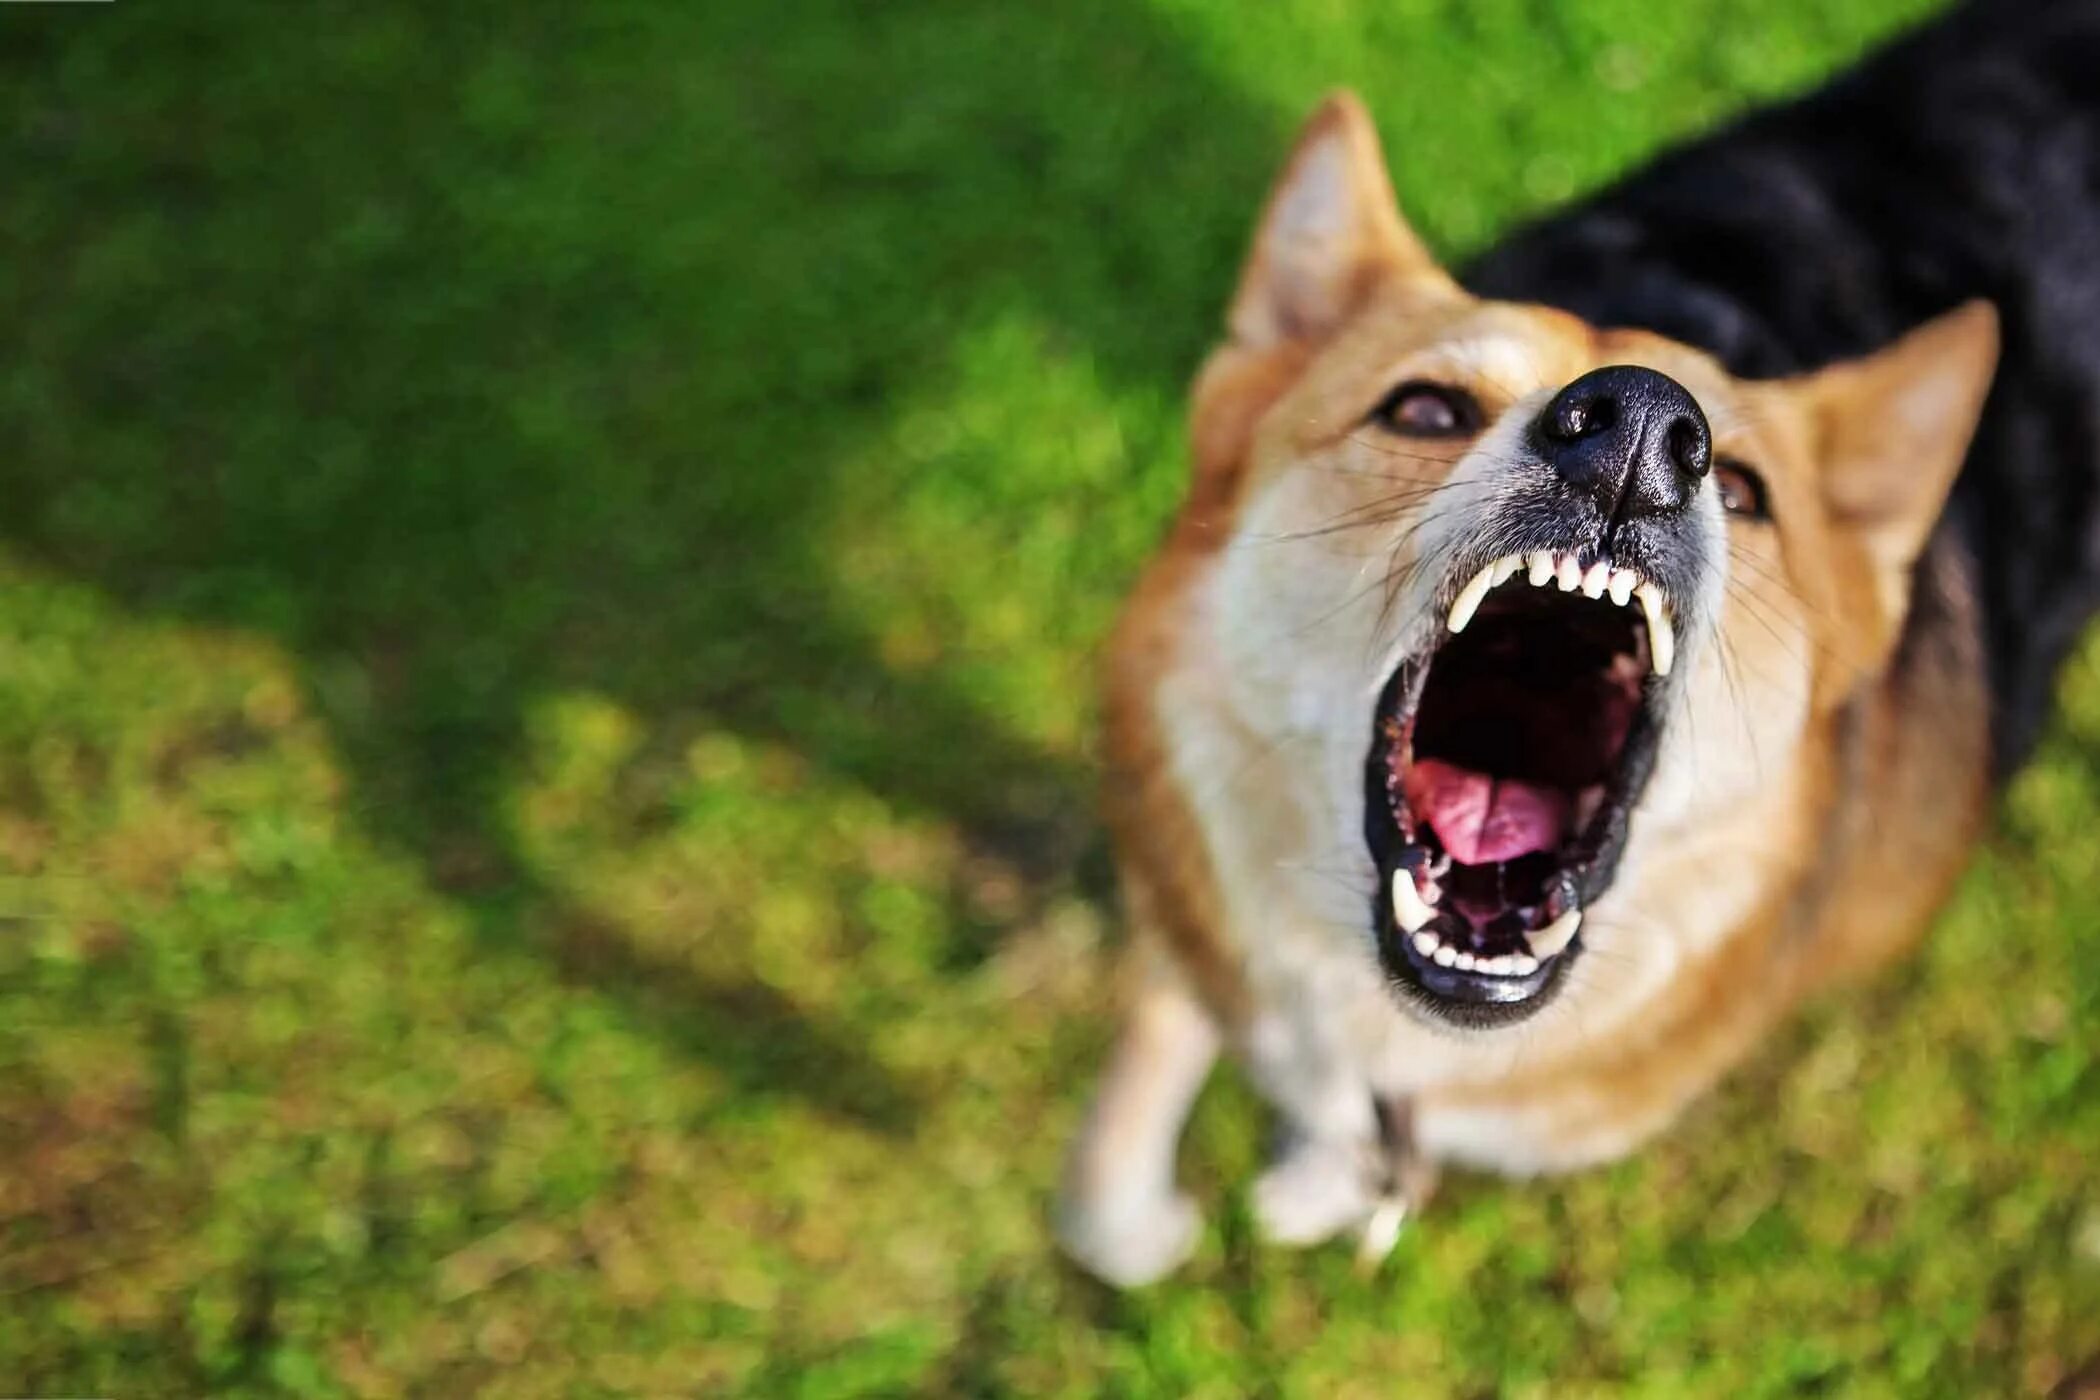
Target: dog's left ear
{"x": 1893, "y": 429}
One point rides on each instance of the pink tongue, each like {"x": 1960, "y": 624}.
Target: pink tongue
{"x": 1482, "y": 819}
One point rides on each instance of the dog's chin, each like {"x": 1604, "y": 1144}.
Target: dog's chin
{"x": 1505, "y": 766}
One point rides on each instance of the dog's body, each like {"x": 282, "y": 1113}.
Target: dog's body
{"x": 1852, "y": 665}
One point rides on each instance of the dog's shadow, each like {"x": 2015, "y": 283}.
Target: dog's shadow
{"x": 482, "y": 362}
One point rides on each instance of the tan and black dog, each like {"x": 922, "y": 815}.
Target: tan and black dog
{"x": 1552, "y": 677}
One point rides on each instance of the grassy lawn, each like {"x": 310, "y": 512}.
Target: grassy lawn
{"x": 548, "y": 577}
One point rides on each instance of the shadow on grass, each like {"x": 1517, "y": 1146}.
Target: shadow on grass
{"x": 480, "y": 356}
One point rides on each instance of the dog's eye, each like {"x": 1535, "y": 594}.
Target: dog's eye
{"x": 1420, "y": 409}
{"x": 1742, "y": 489}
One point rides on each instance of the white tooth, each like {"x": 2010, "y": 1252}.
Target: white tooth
{"x": 1499, "y": 965}
{"x": 1425, "y": 943}
{"x": 1465, "y": 962}
{"x": 1408, "y": 907}
{"x": 1523, "y": 965}
{"x": 1469, "y": 598}
{"x": 1662, "y": 638}
{"x": 1445, "y": 955}
{"x": 1506, "y": 566}
{"x": 1541, "y": 564}
{"x": 1623, "y": 582}
{"x": 1554, "y": 936}
{"x": 1567, "y": 573}
{"x": 1593, "y": 582}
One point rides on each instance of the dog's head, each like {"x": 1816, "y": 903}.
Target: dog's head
{"x": 1534, "y": 600}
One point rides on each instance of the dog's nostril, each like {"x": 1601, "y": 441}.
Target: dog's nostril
{"x": 1689, "y": 447}
{"x": 1573, "y": 418}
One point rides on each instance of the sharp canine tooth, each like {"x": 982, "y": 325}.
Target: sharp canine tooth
{"x": 1469, "y": 598}
{"x": 1445, "y": 955}
{"x": 1408, "y": 907}
{"x": 1506, "y": 566}
{"x": 1555, "y": 936}
{"x": 1567, "y": 573}
{"x": 1623, "y": 582}
{"x": 1662, "y": 638}
{"x": 1593, "y": 582}
{"x": 1541, "y": 564}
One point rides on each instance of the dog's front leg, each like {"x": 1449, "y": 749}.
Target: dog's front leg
{"x": 1314, "y": 1189}
{"x": 1321, "y": 1180}
{"x": 1120, "y": 1215}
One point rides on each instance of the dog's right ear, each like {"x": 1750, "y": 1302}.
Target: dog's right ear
{"x": 1330, "y": 235}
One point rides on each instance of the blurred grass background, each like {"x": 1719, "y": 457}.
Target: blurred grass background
{"x": 551, "y": 557}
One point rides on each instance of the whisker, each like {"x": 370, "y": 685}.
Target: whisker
{"x": 1367, "y": 474}
{"x": 1755, "y": 610}
{"x": 1382, "y": 511}
{"x": 1382, "y": 449}
{"x": 1764, "y": 570}
{"x": 1729, "y": 667}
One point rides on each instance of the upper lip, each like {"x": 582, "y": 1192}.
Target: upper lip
{"x": 1565, "y": 569}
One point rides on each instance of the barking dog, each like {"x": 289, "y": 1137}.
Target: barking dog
{"x": 1552, "y": 678}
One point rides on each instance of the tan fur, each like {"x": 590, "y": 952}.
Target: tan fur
{"x": 1809, "y": 812}
{"x": 1167, "y": 881}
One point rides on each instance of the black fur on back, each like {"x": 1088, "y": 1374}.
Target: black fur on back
{"x": 1962, "y": 161}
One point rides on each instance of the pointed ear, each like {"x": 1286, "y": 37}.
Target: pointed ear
{"x": 1330, "y": 234}
{"x": 1893, "y": 429}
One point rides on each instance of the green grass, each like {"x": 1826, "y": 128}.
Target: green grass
{"x": 547, "y": 587}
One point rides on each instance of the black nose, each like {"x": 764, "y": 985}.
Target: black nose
{"x": 1633, "y": 439}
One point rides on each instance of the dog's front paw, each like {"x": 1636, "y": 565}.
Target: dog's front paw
{"x": 1314, "y": 1192}
{"x": 1131, "y": 1245}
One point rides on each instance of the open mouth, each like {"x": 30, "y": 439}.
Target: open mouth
{"x": 1504, "y": 767}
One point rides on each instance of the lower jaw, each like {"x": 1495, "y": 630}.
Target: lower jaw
{"x": 1465, "y": 1001}
{"x": 1469, "y": 998}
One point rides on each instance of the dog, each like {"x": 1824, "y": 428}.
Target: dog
{"x": 1557, "y": 671}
